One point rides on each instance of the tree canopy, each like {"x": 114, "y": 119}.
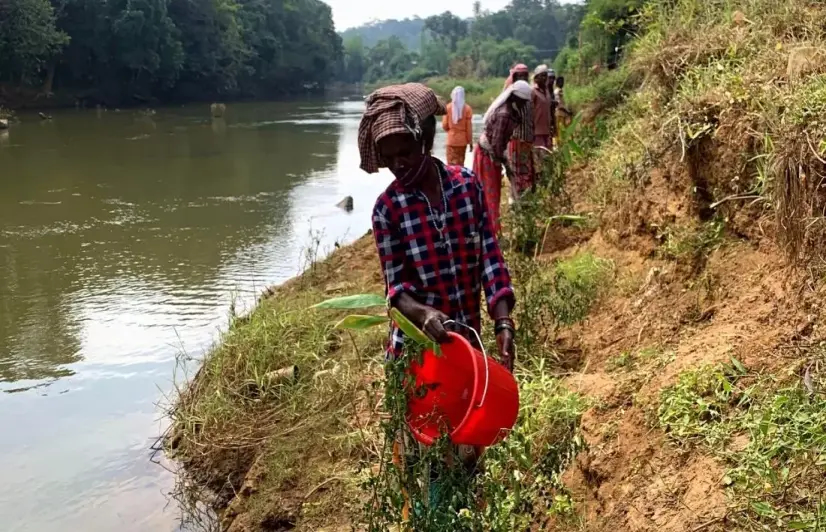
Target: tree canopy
{"x": 487, "y": 44}
{"x": 133, "y": 51}
{"x": 121, "y": 51}
{"x": 408, "y": 30}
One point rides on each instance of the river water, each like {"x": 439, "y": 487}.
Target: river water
{"x": 124, "y": 238}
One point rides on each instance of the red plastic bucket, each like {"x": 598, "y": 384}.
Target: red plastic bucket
{"x": 462, "y": 393}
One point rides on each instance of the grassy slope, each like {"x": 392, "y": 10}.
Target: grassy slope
{"x": 670, "y": 361}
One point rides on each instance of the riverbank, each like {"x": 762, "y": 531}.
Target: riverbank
{"x": 670, "y": 358}
{"x": 15, "y": 98}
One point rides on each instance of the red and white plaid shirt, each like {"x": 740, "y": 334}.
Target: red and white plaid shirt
{"x": 446, "y": 270}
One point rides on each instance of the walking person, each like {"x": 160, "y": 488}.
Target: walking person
{"x": 458, "y": 122}
{"x": 501, "y": 120}
{"x": 541, "y": 103}
{"x": 563, "y": 115}
{"x": 435, "y": 237}
{"x": 520, "y": 147}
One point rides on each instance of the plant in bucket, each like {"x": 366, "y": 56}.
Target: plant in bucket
{"x": 456, "y": 390}
{"x": 445, "y": 395}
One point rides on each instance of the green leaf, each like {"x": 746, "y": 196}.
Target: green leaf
{"x": 353, "y": 302}
{"x": 358, "y": 322}
{"x": 738, "y": 366}
{"x": 762, "y": 508}
{"x": 413, "y": 332}
{"x": 798, "y": 525}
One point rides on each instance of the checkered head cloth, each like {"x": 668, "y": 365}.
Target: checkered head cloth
{"x": 391, "y": 110}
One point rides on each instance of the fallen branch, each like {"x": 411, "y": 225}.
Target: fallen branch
{"x": 315, "y": 489}
{"x": 732, "y": 198}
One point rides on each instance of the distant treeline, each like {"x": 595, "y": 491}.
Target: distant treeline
{"x": 117, "y": 52}
{"x": 574, "y": 36}
{"x": 131, "y": 51}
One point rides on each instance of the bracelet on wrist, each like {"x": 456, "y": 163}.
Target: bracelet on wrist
{"x": 504, "y": 326}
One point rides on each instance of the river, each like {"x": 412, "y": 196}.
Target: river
{"x": 124, "y": 238}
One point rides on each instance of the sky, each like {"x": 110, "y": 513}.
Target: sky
{"x": 349, "y": 13}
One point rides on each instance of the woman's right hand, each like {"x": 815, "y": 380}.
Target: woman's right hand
{"x": 432, "y": 324}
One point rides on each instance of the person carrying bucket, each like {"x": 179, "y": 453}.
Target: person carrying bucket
{"x": 435, "y": 238}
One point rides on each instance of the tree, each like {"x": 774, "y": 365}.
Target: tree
{"x": 390, "y": 59}
{"x": 435, "y": 56}
{"x": 148, "y": 48}
{"x": 500, "y": 56}
{"x": 355, "y": 62}
{"x": 408, "y": 30}
{"x": 28, "y": 38}
{"x": 214, "y": 49}
{"x": 446, "y": 28}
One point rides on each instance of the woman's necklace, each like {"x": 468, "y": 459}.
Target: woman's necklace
{"x": 438, "y": 220}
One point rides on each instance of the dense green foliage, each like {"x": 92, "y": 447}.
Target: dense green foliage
{"x": 488, "y": 44}
{"x": 28, "y": 37}
{"x": 577, "y": 37}
{"x": 134, "y": 51}
{"x": 408, "y": 30}
{"x": 607, "y": 27}
{"x": 125, "y": 51}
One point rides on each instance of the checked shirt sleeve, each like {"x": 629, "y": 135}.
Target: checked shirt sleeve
{"x": 496, "y": 278}
{"x": 391, "y": 253}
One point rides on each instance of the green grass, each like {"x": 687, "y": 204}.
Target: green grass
{"x": 770, "y": 433}
{"x": 578, "y": 282}
{"x": 479, "y": 93}
{"x": 691, "y": 244}
{"x": 607, "y": 90}
{"x": 522, "y": 479}
{"x": 554, "y": 296}
{"x": 236, "y": 413}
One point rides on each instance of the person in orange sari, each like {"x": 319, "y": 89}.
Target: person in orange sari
{"x": 458, "y": 122}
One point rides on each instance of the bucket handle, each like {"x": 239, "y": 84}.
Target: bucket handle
{"x": 484, "y": 354}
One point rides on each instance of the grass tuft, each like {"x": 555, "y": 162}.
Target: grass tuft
{"x": 768, "y": 431}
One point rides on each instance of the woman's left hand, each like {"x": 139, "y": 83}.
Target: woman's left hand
{"x": 507, "y": 349}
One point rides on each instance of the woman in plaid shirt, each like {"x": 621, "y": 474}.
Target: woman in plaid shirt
{"x": 435, "y": 238}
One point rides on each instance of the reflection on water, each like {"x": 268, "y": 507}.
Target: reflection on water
{"x": 123, "y": 239}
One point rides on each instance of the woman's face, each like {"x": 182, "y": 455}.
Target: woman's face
{"x": 541, "y": 79}
{"x": 520, "y": 76}
{"x": 403, "y": 155}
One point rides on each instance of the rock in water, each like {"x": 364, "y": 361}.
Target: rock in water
{"x": 4, "y": 123}
{"x": 217, "y": 110}
{"x": 346, "y": 204}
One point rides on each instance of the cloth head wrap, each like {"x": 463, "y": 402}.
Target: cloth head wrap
{"x": 521, "y": 89}
{"x": 391, "y": 110}
{"x": 457, "y": 98}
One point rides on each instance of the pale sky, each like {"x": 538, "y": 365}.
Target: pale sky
{"x": 349, "y": 13}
